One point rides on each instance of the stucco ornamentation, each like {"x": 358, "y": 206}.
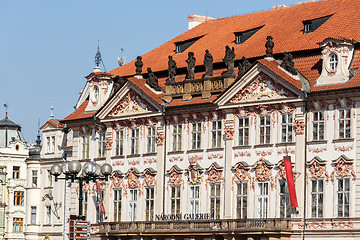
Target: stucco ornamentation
{"x": 341, "y": 224}
{"x": 229, "y": 133}
{"x": 149, "y": 178}
{"x": 116, "y": 180}
{"x": 175, "y": 178}
{"x": 159, "y": 138}
{"x": 299, "y": 127}
{"x": 108, "y": 143}
{"x": 343, "y": 168}
{"x": 214, "y": 175}
{"x": 194, "y": 174}
{"x": 317, "y": 169}
{"x": 241, "y": 174}
{"x": 131, "y": 103}
{"x": 263, "y": 172}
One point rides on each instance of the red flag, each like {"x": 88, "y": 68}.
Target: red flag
{"x": 290, "y": 182}
{"x": 100, "y": 202}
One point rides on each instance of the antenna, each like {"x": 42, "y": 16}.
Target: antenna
{"x": 122, "y": 59}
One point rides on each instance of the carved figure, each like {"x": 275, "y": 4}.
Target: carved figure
{"x": 208, "y": 64}
{"x": 269, "y": 46}
{"x": 190, "y": 66}
{"x": 288, "y": 63}
{"x": 171, "y": 70}
{"x": 229, "y": 59}
{"x": 152, "y": 80}
{"x": 244, "y": 66}
{"x": 138, "y": 64}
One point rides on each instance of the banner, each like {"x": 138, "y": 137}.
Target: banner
{"x": 290, "y": 182}
{"x": 99, "y": 198}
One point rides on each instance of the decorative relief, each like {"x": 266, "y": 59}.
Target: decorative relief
{"x": 314, "y": 225}
{"x": 229, "y": 133}
{"x": 242, "y": 112}
{"x": 241, "y": 173}
{"x": 133, "y": 178}
{"x": 216, "y": 115}
{"x": 286, "y": 108}
{"x": 118, "y": 163}
{"x": 242, "y": 154}
{"x": 195, "y": 117}
{"x": 175, "y": 177}
{"x": 262, "y": 88}
{"x": 159, "y": 138}
{"x": 150, "y": 161}
{"x": 108, "y": 143}
{"x": 195, "y": 158}
{"x": 341, "y": 224}
{"x": 286, "y": 151}
{"x": 116, "y": 180}
{"x": 150, "y": 121}
{"x": 317, "y": 169}
{"x": 214, "y": 175}
{"x": 176, "y": 119}
{"x": 131, "y": 103}
{"x": 318, "y": 105}
{"x": 149, "y": 178}
{"x": 345, "y": 103}
{"x": 263, "y": 172}
{"x": 194, "y": 174}
{"x": 176, "y": 159}
{"x": 344, "y": 148}
{"x": 215, "y": 156}
{"x": 343, "y": 168}
{"x": 134, "y": 162}
{"x": 317, "y": 149}
{"x": 299, "y": 127}
{"x": 264, "y": 153}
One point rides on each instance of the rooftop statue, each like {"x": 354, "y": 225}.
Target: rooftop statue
{"x": 208, "y": 64}
{"x": 269, "y": 46}
{"x": 229, "y": 60}
{"x": 138, "y": 64}
{"x": 244, "y": 66}
{"x": 191, "y": 66}
{"x": 152, "y": 80}
{"x": 172, "y": 70}
{"x": 288, "y": 63}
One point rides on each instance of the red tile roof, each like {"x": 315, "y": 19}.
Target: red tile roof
{"x": 54, "y": 122}
{"x": 80, "y": 113}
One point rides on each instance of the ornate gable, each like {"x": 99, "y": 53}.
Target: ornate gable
{"x": 262, "y": 88}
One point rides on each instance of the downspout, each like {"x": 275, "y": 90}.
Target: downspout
{"x": 305, "y": 165}
{"x": 164, "y": 159}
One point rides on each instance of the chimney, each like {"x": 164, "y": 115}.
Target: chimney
{"x": 195, "y": 20}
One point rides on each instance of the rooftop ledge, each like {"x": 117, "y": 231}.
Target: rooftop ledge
{"x": 195, "y": 227}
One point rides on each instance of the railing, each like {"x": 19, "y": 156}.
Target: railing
{"x": 202, "y": 226}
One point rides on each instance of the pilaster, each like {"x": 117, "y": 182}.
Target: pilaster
{"x": 229, "y": 136}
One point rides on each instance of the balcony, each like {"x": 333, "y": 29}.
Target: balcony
{"x": 207, "y": 227}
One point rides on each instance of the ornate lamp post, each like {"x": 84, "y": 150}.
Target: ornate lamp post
{"x": 90, "y": 172}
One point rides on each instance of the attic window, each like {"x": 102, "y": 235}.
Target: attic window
{"x": 312, "y": 25}
{"x": 182, "y": 46}
{"x": 241, "y": 37}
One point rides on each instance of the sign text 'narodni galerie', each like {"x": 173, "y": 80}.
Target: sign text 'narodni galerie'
{"x": 180, "y": 216}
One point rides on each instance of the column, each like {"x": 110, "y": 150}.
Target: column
{"x": 229, "y": 137}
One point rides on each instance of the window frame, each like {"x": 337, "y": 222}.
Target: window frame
{"x": 215, "y": 200}
{"x": 194, "y": 199}
{"x": 196, "y": 130}
{"x": 133, "y": 203}
{"x": 119, "y": 142}
{"x": 19, "y": 198}
{"x": 134, "y": 141}
{"x": 265, "y": 130}
{"x": 320, "y": 123}
{"x": 99, "y": 216}
{"x": 18, "y": 225}
{"x": 34, "y": 178}
{"x": 101, "y": 145}
{"x": 333, "y": 62}
{"x": 85, "y": 153}
{"x": 85, "y": 203}
{"x": 117, "y": 200}
{"x": 339, "y": 119}
{"x": 284, "y": 200}
{"x": 343, "y": 193}
{"x": 33, "y": 211}
{"x": 16, "y": 172}
{"x": 149, "y": 203}
{"x": 177, "y": 137}
{"x": 287, "y": 128}
{"x": 241, "y": 200}
{"x": 243, "y": 131}
{"x": 47, "y": 215}
{"x": 151, "y": 139}
{"x": 175, "y": 200}
{"x": 319, "y": 199}
{"x": 263, "y": 198}
{"x": 216, "y": 133}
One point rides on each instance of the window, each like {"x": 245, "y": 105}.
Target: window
{"x": 241, "y": 37}
{"x": 263, "y": 200}
{"x": 264, "y": 130}
{"x": 313, "y": 24}
{"x": 134, "y": 148}
{"x": 18, "y": 224}
{"x": 194, "y": 199}
{"x": 53, "y": 144}
{"x": 285, "y": 209}
{"x": 16, "y": 172}
{"x": 151, "y": 139}
{"x": 177, "y": 129}
{"x": 48, "y": 215}
{"x": 119, "y": 143}
{"x": 182, "y": 46}
{"x": 196, "y": 135}
{"x": 216, "y": 134}
{"x": 307, "y": 27}
{"x": 117, "y": 205}
{"x": 99, "y": 204}
{"x": 133, "y": 204}
{"x": 101, "y": 145}
{"x": 34, "y": 178}
{"x": 48, "y": 145}
{"x": 33, "y": 215}
{"x": 333, "y": 61}
{"x": 85, "y": 203}
{"x": 344, "y": 123}
{"x": 317, "y": 198}
{"x": 286, "y": 127}
{"x": 343, "y": 197}
{"x": 149, "y": 202}
{"x": 215, "y": 201}
{"x": 243, "y": 131}
{"x": 18, "y": 198}
{"x": 318, "y": 124}
{"x": 96, "y": 93}
{"x": 85, "y": 146}
{"x": 175, "y": 199}
{"x": 241, "y": 200}
{"x": 49, "y": 178}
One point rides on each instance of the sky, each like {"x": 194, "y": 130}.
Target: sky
{"x": 48, "y": 47}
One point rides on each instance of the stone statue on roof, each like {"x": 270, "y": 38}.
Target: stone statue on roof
{"x": 138, "y": 64}
{"x": 208, "y": 64}
{"x": 288, "y": 63}
{"x": 229, "y": 60}
{"x": 190, "y": 66}
{"x": 152, "y": 80}
{"x": 244, "y": 66}
{"x": 171, "y": 70}
{"x": 269, "y": 46}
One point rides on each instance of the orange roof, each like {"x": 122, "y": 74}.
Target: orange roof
{"x": 54, "y": 122}
{"x": 80, "y": 113}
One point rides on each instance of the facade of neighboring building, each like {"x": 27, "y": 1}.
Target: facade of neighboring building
{"x": 2, "y": 200}
{"x": 198, "y": 154}
{"x": 13, "y": 152}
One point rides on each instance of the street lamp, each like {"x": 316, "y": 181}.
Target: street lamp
{"x": 91, "y": 171}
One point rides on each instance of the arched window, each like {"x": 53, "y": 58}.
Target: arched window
{"x": 333, "y": 61}
{"x": 96, "y": 94}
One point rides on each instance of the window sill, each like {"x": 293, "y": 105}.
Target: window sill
{"x": 317, "y": 142}
{"x": 176, "y": 152}
{"x": 194, "y": 150}
{"x": 99, "y": 158}
{"x": 285, "y": 144}
{"x": 133, "y": 155}
{"x": 118, "y": 157}
{"x": 214, "y": 149}
{"x": 48, "y": 187}
{"x": 343, "y": 140}
{"x": 149, "y": 154}
{"x": 47, "y": 225}
{"x": 84, "y": 159}
{"x": 241, "y": 147}
{"x": 264, "y": 145}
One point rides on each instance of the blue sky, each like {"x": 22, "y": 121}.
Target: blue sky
{"x": 47, "y": 47}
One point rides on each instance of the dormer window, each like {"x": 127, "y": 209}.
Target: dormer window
{"x": 313, "y": 24}
{"x": 333, "y": 61}
{"x": 241, "y": 37}
{"x": 96, "y": 94}
{"x": 182, "y": 46}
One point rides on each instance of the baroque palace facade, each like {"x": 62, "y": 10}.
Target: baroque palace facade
{"x": 197, "y": 142}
